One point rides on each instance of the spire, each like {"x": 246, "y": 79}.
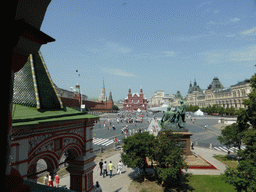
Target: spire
{"x": 195, "y": 81}
{"x": 103, "y": 86}
{"x": 110, "y": 97}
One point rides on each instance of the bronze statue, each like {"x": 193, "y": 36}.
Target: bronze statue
{"x": 175, "y": 118}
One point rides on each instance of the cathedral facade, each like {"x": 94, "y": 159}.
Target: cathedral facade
{"x": 135, "y": 101}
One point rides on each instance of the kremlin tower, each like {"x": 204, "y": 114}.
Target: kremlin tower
{"x": 102, "y": 96}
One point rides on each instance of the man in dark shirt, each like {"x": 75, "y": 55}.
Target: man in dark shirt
{"x": 100, "y": 166}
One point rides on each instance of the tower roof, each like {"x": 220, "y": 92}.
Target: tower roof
{"x": 216, "y": 84}
{"x": 103, "y": 85}
{"x": 110, "y": 96}
{"x": 33, "y": 85}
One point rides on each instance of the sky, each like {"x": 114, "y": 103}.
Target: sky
{"x": 159, "y": 45}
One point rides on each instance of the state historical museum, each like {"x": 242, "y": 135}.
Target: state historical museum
{"x": 135, "y": 101}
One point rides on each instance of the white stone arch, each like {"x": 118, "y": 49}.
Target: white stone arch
{"x": 49, "y": 142}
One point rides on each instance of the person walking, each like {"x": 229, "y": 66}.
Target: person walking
{"x": 105, "y": 169}
{"x": 57, "y": 180}
{"x": 119, "y": 168}
{"x": 104, "y": 124}
{"x": 192, "y": 145}
{"x": 100, "y": 166}
{"x": 110, "y": 165}
{"x": 50, "y": 182}
{"x": 46, "y": 179}
{"x": 97, "y": 187}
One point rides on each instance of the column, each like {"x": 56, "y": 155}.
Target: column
{"x": 81, "y": 173}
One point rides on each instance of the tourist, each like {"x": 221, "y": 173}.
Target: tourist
{"x": 57, "y": 180}
{"x": 100, "y": 166}
{"x": 192, "y": 145}
{"x": 46, "y": 179}
{"x": 105, "y": 169}
{"x": 97, "y": 187}
{"x": 114, "y": 128}
{"x": 50, "y": 182}
{"x": 104, "y": 124}
{"x": 110, "y": 165}
{"x": 119, "y": 168}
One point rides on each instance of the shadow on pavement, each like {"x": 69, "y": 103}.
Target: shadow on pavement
{"x": 118, "y": 190}
{"x": 168, "y": 187}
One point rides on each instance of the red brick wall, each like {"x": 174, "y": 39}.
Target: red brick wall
{"x": 92, "y": 105}
{"x": 70, "y": 102}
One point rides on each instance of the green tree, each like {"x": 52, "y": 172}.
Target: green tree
{"x": 231, "y": 135}
{"x": 221, "y": 111}
{"x": 169, "y": 158}
{"x": 136, "y": 149}
{"x": 244, "y": 176}
{"x": 115, "y": 107}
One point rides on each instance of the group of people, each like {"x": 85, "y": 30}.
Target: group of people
{"x": 50, "y": 180}
{"x": 104, "y": 168}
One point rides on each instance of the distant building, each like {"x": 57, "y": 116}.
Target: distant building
{"x": 217, "y": 94}
{"x": 159, "y": 98}
{"x": 135, "y": 101}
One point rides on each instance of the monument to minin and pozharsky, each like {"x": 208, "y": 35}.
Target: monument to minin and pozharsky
{"x": 174, "y": 119}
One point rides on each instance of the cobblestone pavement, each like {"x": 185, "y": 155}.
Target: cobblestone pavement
{"x": 120, "y": 183}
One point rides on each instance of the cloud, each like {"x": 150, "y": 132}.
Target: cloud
{"x": 125, "y": 49}
{"x": 116, "y": 48}
{"x": 203, "y": 4}
{"x": 219, "y": 56}
{"x": 170, "y": 53}
{"x": 251, "y": 31}
{"x": 223, "y": 22}
{"x": 234, "y": 19}
{"x": 120, "y": 72}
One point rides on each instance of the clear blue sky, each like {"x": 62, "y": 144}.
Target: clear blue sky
{"x": 160, "y": 45}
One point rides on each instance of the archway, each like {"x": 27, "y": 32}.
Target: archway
{"x": 51, "y": 166}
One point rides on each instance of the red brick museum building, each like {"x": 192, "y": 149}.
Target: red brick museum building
{"x": 135, "y": 101}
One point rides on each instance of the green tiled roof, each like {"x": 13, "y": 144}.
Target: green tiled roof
{"x": 33, "y": 85}
{"x": 24, "y": 115}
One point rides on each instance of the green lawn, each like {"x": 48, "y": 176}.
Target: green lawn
{"x": 227, "y": 160}
{"x": 195, "y": 183}
{"x": 209, "y": 183}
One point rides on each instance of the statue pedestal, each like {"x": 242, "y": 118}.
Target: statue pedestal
{"x": 185, "y": 141}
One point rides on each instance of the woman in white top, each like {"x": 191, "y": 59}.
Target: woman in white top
{"x": 50, "y": 181}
